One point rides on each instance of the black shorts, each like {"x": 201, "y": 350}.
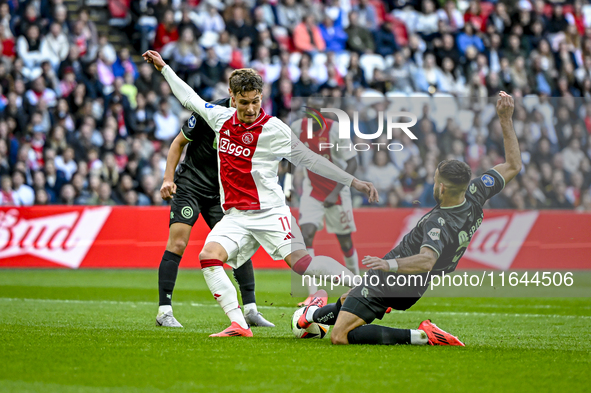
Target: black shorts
{"x": 369, "y": 302}
{"x": 189, "y": 202}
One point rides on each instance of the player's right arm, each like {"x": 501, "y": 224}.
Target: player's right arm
{"x": 168, "y": 188}
{"x": 512, "y": 165}
{"x": 186, "y": 95}
{"x": 422, "y": 262}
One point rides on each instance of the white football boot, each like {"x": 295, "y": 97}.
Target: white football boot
{"x": 255, "y": 318}
{"x": 167, "y": 320}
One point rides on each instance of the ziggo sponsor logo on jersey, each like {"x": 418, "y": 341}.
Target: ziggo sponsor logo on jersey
{"x": 232, "y": 148}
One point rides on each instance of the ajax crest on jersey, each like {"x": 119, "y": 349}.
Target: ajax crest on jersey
{"x": 315, "y": 330}
{"x": 488, "y": 180}
{"x": 192, "y": 121}
{"x": 247, "y": 138}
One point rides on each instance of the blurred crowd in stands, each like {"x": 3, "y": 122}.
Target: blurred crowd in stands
{"x": 82, "y": 122}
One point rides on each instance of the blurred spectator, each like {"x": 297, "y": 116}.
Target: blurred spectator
{"x": 8, "y": 196}
{"x": 166, "y": 32}
{"x": 55, "y": 45}
{"x": 23, "y": 192}
{"x": 384, "y": 40}
{"x": 166, "y": 123}
{"x": 307, "y": 37}
{"x": 359, "y": 38}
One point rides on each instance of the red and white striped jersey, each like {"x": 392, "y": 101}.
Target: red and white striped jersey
{"x": 249, "y": 154}
{"x": 338, "y": 155}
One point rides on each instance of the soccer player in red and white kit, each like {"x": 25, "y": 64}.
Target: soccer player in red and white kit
{"x": 323, "y": 199}
{"x": 251, "y": 144}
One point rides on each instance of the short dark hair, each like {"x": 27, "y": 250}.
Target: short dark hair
{"x": 454, "y": 171}
{"x": 244, "y": 80}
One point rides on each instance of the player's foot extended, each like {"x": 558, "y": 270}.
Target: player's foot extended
{"x": 438, "y": 336}
{"x": 388, "y": 310}
{"x": 235, "y": 330}
{"x": 307, "y": 301}
{"x": 319, "y": 299}
{"x": 255, "y": 318}
{"x": 167, "y": 320}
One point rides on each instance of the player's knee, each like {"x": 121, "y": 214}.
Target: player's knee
{"x": 209, "y": 253}
{"x": 177, "y": 246}
{"x": 346, "y": 243}
{"x": 308, "y": 232}
{"x": 338, "y": 337}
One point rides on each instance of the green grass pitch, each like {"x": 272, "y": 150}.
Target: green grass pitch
{"x": 93, "y": 331}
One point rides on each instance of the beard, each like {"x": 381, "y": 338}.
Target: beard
{"x": 437, "y": 196}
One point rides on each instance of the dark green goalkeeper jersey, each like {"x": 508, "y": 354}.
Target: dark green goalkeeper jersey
{"x": 200, "y": 165}
{"x": 448, "y": 230}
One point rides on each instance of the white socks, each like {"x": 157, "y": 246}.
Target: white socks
{"x": 323, "y": 265}
{"x": 311, "y": 288}
{"x": 164, "y": 309}
{"x": 418, "y": 337}
{"x": 250, "y": 307}
{"x": 352, "y": 263}
{"x": 310, "y": 313}
{"x": 225, "y": 293}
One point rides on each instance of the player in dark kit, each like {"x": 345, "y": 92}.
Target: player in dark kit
{"x": 194, "y": 189}
{"x": 434, "y": 246}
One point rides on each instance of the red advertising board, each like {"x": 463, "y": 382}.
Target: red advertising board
{"x": 135, "y": 237}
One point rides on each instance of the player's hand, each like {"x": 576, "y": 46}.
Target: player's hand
{"x": 505, "y": 106}
{"x": 153, "y": 57}
{"x": 367, "y": 188}
{"x": 331, "y": 199}
{"x": 167, "y": 190}
{"x": 376, "y": 263}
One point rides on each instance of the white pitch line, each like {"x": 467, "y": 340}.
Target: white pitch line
{"x": 153, "y": 304}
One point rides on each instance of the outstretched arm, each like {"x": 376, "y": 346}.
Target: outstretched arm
{"x": 415, "y": 264}
{"x": 183, "y": 92}
{"x": 512, "y": 165}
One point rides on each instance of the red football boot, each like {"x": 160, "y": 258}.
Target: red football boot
{"x": 319, "y": 299}
{"x": 235, "y": 330}
{"x": 437, "y": 336}
{"x": 306, "y": 302}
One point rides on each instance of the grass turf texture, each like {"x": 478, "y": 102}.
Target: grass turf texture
{"x": 93, "y": 331}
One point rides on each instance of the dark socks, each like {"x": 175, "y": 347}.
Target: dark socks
{"x": 328, "y": 314}
{"x": 244, "y": 276}
{"x": 378, "y": 335}
{"x": 167, "y": 272}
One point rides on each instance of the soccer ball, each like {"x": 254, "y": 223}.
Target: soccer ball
{"x": 315, "y": 330}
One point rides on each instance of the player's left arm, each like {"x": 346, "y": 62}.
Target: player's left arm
{"x": 415, "y": 264}
{"x": 512, "y": 165}
{"x": 332, "y": 198}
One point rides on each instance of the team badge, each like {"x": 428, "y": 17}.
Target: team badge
{"x": 441, "y": 221}
{"x": 434, "y": 233}
{"x": 472, "y": 188}
{"x": 364, "y": 292}
{"x": 247, "y": 138}
{"x": 208, "y": 105}
{"x": 192, "y": 121}
{"x": 488, "y": 180}
{"x": 187, "y": 212}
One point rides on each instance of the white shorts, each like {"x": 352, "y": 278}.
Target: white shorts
{"x": 339, "y": 218}
{"x": 241, "y": 232}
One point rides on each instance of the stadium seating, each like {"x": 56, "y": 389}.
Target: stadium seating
{"x": 71, "y": 75}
